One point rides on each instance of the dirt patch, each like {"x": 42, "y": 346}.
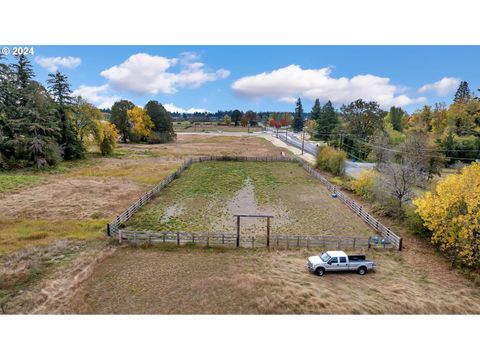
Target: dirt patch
{"x": 209, "y": 281}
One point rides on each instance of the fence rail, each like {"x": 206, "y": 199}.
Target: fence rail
{"x": 140, "y": 237}
{"x": 113, "y": 228}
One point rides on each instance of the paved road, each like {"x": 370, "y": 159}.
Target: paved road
{"x": 352, "y": 168}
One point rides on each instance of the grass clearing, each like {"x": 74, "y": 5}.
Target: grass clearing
{"x": 243, "y": 281}
{"x": 208, "y": 194}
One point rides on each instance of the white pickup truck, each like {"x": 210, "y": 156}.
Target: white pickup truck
{"x": 339, "y": 261}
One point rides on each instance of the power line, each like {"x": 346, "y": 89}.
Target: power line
{"x": 352, "y": 137}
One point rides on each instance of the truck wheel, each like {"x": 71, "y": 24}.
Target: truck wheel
{"x": 320, "y": 271}
{"x": 362, "y": 270}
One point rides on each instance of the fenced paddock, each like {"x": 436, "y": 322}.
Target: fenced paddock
{"x": 147, "y": 238}
{"x": 132, "y": 237}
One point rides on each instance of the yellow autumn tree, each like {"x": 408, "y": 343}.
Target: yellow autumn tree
{"x": 452, "y": 214}
{"x": 106, "y": 136}
{"x": 142, "y": 124}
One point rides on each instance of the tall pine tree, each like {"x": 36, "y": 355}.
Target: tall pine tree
{"x": 29, "y": 128}
{"x": 327, "y": 121}
{"x": 463, "y": 93}
{"x": 73, "y": 147}
{"x": 298, "y": 117}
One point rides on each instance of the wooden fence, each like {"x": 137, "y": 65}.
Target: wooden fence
{"x": 140, "y": 237}
{"x": 390, "y": 237}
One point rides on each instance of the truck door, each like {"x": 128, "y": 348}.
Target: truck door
{"x": 343, "y": 264}
{"x": 333, "y": 264}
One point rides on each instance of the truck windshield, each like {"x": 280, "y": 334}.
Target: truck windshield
{"x": 325, "y": 257}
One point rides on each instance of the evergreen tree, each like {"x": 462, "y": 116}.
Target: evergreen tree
{"x": 327, "y": 121}
{"x": 162, "y": 120}
{"x": 298, "y": 117}
{"x": 396, "y": 117}
{"x": 73, "y": 147}
{"x": 119, "y": 117}
{"x": 463, "y": 93}
{"x": 316, "y": 111}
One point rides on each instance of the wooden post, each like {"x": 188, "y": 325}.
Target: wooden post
{"x": 108, "y": 230}
{"x": 149, "y": 238}
{"x": 193, "y": 238}
{"x": 268, "y": 232}
{"x": 354, "y": 242}
{"x": 369, "y": 245}
{"x": 178, "y": 237}
{"x": 400, "y": 244}
{"x": 119, "y": 236}
{"x": 253, "y": 242}
{"x": 298, "y": 241}
{"x": 238, "y": 231}
{"x": 223, "y": 238}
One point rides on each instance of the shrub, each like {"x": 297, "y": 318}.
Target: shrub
{"x": 415, "y": 223}
{"x": 107, "y": 137}
{"x": 364, "y": 184}
{"x": 331, "y": 160}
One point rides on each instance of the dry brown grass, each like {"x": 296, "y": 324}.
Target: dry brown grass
{"x": 98, "y": 188}
{"x": 208, "y": 281}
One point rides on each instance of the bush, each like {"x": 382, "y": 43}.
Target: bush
{"x": 364, "y": 184}
{"x": 331, "y": 160}
{"x": 161, "y": 137}
{"x": 415, "y": 223}
{"x": 107, "y": 137}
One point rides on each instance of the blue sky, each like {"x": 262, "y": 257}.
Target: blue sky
{"x": 262, "y": 78}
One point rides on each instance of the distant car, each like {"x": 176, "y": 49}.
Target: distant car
{"x": 331, "y": 261}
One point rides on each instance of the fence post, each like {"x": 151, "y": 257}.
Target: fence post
{"x": 208, "y": 239}
{"x": 119, "y": 236}
{"x": 354, "y": 242}
{"x": 223, "y": 238}
{"x": 369, "y": 245}
{"x": 149, "y": 238}
{"x": 298, "y": 241}
{"x": 400, "y": 243}
{"x": 108, "y": 230}
{"x": 193, "y": 238}
{"x": 178, "y": 237}
{"x": 253, "y": 242}
{"x": 164, "y": 237}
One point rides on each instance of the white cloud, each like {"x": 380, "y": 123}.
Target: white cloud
{"x": 442, "y": 87}
{"x": 174, "y": 108}
{"x": 97, "y": 95}
{"x": 53, "y": 63}
{"x": 147, "y": 74}
{"x": 285, "y": 84}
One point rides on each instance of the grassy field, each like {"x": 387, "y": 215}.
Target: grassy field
{"x": 166, "y": 280}
{"x": 214, "y": 128}
{"x": 55, "y": 258}
{"x": 76, "y": 199}
{"x": 207, "y": 195}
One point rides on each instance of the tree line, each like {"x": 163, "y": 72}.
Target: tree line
{"x": 43, "y": 125}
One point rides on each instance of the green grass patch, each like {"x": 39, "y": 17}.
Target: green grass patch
{"x": 18, "y": 234}
{"x": 13, "y": 182}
